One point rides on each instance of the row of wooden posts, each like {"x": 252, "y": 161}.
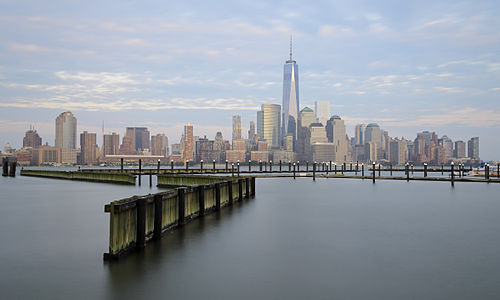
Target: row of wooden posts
{"x": 5, "y": 167}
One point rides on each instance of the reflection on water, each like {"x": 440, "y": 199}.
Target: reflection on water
{"x": 342, "y": 239}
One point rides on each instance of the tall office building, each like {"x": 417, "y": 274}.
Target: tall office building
{"x": 66, "y": 131}
{"x": 447, "y": 144}
{"x": 188, "y": 143}
{"x": 111, "y": 144}
{"x": 318, "y": 134}
{"x": 373, "y": 134}
{"x": 307, "y": 117}
{"x": 32, "y": 139}
{"x": 159, "y": 145}
{"x": 268, "y": 124}
{"x": 322, "y": 109}
{"x": 290, "y": 113}
{"x": 88, "y": 148}
{"x": 251, "y": 131}
{"x": 473, "y": 148}
{"x": 236, "y": 127}
{"x": 398, "y": 152}
{"x": 359, "y": 134}
{"x": 139, "y": 137}
{"x": 335, "y": 131}
{"x": 459, "y": 149}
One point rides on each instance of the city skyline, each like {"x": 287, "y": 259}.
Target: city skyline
{"x": 393, "y": 64}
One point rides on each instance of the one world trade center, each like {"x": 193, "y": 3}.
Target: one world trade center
{"x": 290, "y": 106}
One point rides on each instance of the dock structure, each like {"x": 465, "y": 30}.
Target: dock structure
{"x": 137, "y": 220}
{"x": 107, "y": 177}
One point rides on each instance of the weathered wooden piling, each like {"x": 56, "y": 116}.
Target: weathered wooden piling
{"x": 271, "y": 166}
{"x": 240, "y": 190}
{"x": 293, "y": 170}
{"x": 12, "y": 171}
{"x": 452, "y": 174}
{"x": 140, "y": 171}
{"x": 217, "y": 196}
{"x": 335, "y": 166}
{"x": 350, "y": 167}
{"x": 238, "y": 168}
{"x": 172, "y": 165}
{"x": 357, "y": 167}
{"x": 260, "y": 166}
{"x": 390, "y": 168}
{"x": 280, "y": 166}
{"x": 411, "y": 169}
{"x": 379, "y": 170}
{"x": 201, "y": 166}
{"x": 487, "y": 172}
{"x": 158, "y": 167}
{"x": 232, "y": 169}
{"x": 181, "y": 194}
{"x": 298, "y": 166}
{"x": 158, "y": 203}
{"x": 213, "y": 166}
{"x": 314, "y": 171}
{"x": 362, "y": 170}
{"x": 442, "y": 169}
{"x": 121, "y": 164}
{"x": 373, "y": 173}
{"x": 230, "y": 191}
{"x": 249, "y": 165}
{"x": 201, "y": 199}
{"x": 307, "y": 166}
{"x": 247, "y": 187}
{"x": 140, "y": 240}
{"x": 425, "y": 169}
{"x": 150, "y": 178}
{"x": 498, "y": 170}
{"x": 407, "y": 171}
{"x": 187, "y": 165}
{"x": 289, "y": 166}
{"x": 5, "y": 166}
{"x": 227, "y": 166}
{"x": 253, "y": 186}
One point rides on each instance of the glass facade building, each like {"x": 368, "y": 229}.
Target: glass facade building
{"x": 290, "y": 113}
{"x": 268, "y": 124}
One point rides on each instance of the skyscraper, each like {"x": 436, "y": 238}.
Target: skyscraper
{"x": 473, "y": 148}
{"x": 88, "y": 148}
{"x": 32, "y": 139}
{"x": 459, "y": 149}
{"x": 290, "y": 113}
{"x": 236, "y": 127}
{"x": 159, "y": 144}
{"x": 322, "y": 109}
{"x": 188, "y": 143}
{"x": 359, "y": 134}
{"x": 251, "y": 131}
{"x": 111, "y": 144}
{"x": 335, "y": 131}
{"x": 66, "y": 131}
{"x": 139, "y": 137}
{"x": 373, "y": 134}
{"x": 268, "y": 124}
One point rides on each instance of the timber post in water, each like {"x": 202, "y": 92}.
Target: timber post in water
{"x": 121, "y": 164}
{"x": 217, "y": 196}
{"x": 140, "y": 242}
{"x": 158, "y": 168}
{"x": 140, "y": 173}
{"x": 172, "y": 165}
{"x": 213, "y": 166}
{"x": 12, "y": 171}
{"x": 407, "y": 171}
{"x": 181, "y": 194}
{"x": 201, "y": 199}
{"x": 373, "y": 173}
{"x": 362, "y": 170}
{"x": 452, "y": 174}
{"x": 5, "y": 166}
{"x": 425, "y": 169}
{"x": 201, "y": 166}
{"x": 158, "y": 203}
{"x": 314, "y": 171}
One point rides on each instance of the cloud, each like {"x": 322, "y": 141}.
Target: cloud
{"x": 30, "y": 48}
{"x": 330, "y": 31}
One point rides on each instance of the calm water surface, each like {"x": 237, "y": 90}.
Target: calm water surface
{"x": 332, "y": 239}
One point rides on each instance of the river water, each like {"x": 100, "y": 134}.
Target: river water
{"x": 297, "y": 239}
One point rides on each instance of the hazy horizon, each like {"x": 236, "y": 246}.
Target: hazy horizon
{"x": 410, "y": 67}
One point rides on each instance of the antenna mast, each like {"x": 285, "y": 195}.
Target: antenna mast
{"x": 290, "y": 47}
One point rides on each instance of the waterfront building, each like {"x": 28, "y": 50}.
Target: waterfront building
{"x": 398, "y": 152}
{"x": 188, "y": 143}
{"x": 111, "y": 144}
{"x": 323, "y": 152}
{"x": 283, "y": 156}
{"x": 322, "y": 110}
{"x": 473, "y": 148}
{"x": 127, "y": 146}
{"x": 268, "y": 124}
{"x": 290, "y": 113}
{"x": 88, "y": 148}
{"x": 236, "y": 127}
{"x": 371, "y": 151}
{"x": 459, "y": 149}
{"x": 303, "y": 145}
{"x": 204, "y": 149}
{"x": 447, "y": 144}
{"x": 373, "y": 134}
{"x": 66, "y": 131}
{"x": 32, "y": 139}
{"x": 45, "y": 154}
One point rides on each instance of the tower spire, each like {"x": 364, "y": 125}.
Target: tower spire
{"x": 290, "y": 47}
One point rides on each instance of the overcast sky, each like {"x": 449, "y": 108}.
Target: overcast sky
{"x": 407, "y": 65}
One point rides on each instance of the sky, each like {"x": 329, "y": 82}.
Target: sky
{"x": 407, "y": 65}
